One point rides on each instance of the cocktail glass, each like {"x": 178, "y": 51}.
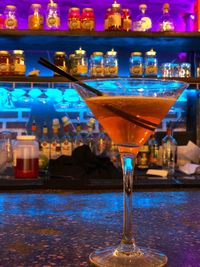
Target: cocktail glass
{"x": 129, "y": 111}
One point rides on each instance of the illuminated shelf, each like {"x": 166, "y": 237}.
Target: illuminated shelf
{"x": 61, "y": 39}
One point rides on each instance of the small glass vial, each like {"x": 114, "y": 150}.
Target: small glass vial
{"x": 150, "y": 64}
{"x": 111, "y": 64}
{"x": 126, "y": 20}
{"x": 136, "y": 64}
{"x": 35, "y": 19}
{"x": 4, "y": 63}
{"x": 10, "y": 22}
{"x": 53, "y": 16}
{"x": 60, "y": 60}
{"x": 87, "y": 19}
{"x": 18, "y": 63}
{"x": 25, "y": 157}
{"x": 97, "y": 64}
{"x": 115, "y": 17}
{"x": 80, "y": 66}
{"x": 74, "y": 19}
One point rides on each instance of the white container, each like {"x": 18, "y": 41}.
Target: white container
{"x": 25, "y": 157}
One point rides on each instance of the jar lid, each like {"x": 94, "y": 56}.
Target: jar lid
{"x": 26, "y": 137}
{"x": 71, "y": 55}
{"x": 115, "y": 5}
{"x": 151, "y": 53}
{"x": 11, "y": 6}
{"x": 136, "y": 53}
{"x": 74, "y": 9}
{"x": 80, "y": 51}
{"x": 87, "y": 9}
{"x": 36, "y": 5}
{"x": 4, "y": 52}
{"x": 60, "y": 53}
{"x": 97, "y": 53}
{"x": 111, "y": 53}
{"x": 18, "y": 52}
{"x": 52, "y": 4}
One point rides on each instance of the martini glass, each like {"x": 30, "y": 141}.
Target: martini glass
{"x": 129, "y": 110}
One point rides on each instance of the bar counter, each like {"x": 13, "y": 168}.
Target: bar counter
{"x": 61, "y": 227}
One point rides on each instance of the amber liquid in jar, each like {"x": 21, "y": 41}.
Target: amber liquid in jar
{"x": 60, "y": 61}
{"x": 4, "y": 63}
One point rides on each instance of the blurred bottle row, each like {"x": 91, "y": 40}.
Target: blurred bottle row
{"x": 116, "y": 18}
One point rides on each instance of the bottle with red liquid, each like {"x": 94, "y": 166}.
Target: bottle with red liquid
{"x": 25, "y": 157}
{"x": 2, "y": 19}
{"x": 87, "y": 19}
{"x": 74, "y": 19}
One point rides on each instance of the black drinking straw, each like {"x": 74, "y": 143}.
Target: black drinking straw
{"x": 131, "y": 118}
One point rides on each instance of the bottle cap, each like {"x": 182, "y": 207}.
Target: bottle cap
{"x": 2, "y": 52}
{"x": 165, "y": 6}
{"x": 36, "y": 5}
{"x": 143, "y": 6}
{"x": 26, "y": 137}
{"x": 97, "y": 53}
{"x": 87, "y": 9}
{"x": 18, "y": 52}
{"x": 115, "y": 5}
{"x": 80, "y": 51}
{"x": 11, "y": 7}
{"x": 52, "y": 4}
{"x": 74, "y": 9}
{"x": 60, "y": 53}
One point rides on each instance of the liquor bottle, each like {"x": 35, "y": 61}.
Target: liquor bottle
{"x": 126, "y": 20}
{"x": 143, "y": 22}
{"x": 169, "y": 151}
{"x": 142, "y": 160}
{"x": 153, "y": 151}
{"x": 115, "y": 17}
{"x": 166, "y": 23}
{"x": 78, "y": 140}
{"x": 102, "y": 144}
{"x": 114, "y": 155}
{"x": 55, "y": 141}
{"x": 89, "y": 139}
{"x": 44, "y": 146}
{"x": 34, "y": 128}
{"x": 66, "y": 140}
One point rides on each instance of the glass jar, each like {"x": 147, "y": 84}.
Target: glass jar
{"x": 136, "y": 64}
{"x": 25, "y": 157}
{"x": 115, "y": 17}
{"x": 166, "y": 70}
{"x": 2, "y": 21}
{"x": 74, "y": 19}
{"x": 18, "y": 63}
{"x": 185, "y": 70}
{"x": 97, "y": 64}
{"x": 126, "y": 20}
{"x": 53, "y": 16}
{"x": 10, "y": 17}
{"x": 111, "y": 64}
{"x": 150, "y": 64}
{"x": 80, "y": 63}
{"x": 87, "y": 19}
{"x": 106, "y": 19}
{"x": 35, "y": 19}
{"x": 4, "y": 63}
{"x": 60, "y": 60}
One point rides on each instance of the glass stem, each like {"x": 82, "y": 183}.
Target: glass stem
{"x": 127, "y": 243}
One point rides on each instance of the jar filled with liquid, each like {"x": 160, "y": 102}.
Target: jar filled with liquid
{"x": 111, "y": 64}
{"x": 150, "y": 64}
{"x": 80, "y": 63}
{"x": 136, "y": 64}
{"x": 35, "y": 19}
{"x": 60, "y": 60}
{"x": 74, "y": 19}
{"x": 25, "y": 157}
{"x": 87, "y": 19}
{"x": 97, "y": 64}
{"x": 4, "y": 63}
{"x": 53, "y": 16}
{"x": 18, "y": 63}
{"x": 10, "y": 17}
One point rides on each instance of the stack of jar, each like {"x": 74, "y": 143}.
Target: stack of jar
{"x": 147, "y": 67}
{"x": 169, "y": 69}
{"x": 12, "y": 64}
{"x": 77, "y": 65}
{"x": 78, "y": 21}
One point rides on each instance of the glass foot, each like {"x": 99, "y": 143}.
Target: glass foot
{"x": 142, "y": 257}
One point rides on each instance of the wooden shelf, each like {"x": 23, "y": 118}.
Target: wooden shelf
{"x": 55, "y": 40}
